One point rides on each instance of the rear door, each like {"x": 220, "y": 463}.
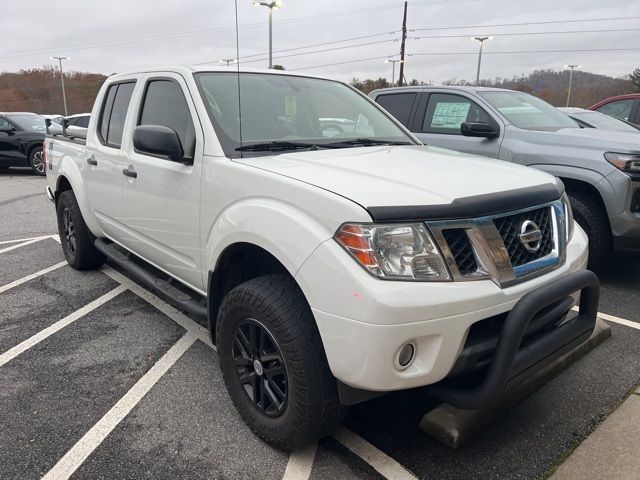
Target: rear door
{"x": 438, "y": 119}
{"x": 162, "y": 201}
{"x": 399, "y": 104}
{"x": 105, "y": 159}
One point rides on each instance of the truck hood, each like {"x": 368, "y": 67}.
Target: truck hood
{"x": 401, "y": 175}
{"x": 589, "y": 138}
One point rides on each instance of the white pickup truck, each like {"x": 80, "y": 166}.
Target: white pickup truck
{"x": 335, "y": 257}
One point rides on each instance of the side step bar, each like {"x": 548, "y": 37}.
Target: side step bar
{"x": 177, "y": 297}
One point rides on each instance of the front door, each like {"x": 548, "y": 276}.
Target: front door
{"x": 161, "y": 196}
{"x": 438, "y": 124}
{"x": 105, "y": 158}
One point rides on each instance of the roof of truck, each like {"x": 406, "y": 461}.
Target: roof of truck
{"x": 423, "y": 88}
{"x": 189, "y": 69}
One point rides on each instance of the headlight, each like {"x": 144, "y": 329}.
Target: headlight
{"x": 398, "y": 252}
{"x": 568, "y": 217}
{"x": 627, "y": 162}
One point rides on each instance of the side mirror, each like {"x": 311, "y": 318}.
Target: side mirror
{"x": 158, "y": 140}
{"x": 477, "y": 129}
{"x": 8, "y": 130}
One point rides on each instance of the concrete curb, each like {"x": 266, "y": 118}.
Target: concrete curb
{"x": 454, "y": 427}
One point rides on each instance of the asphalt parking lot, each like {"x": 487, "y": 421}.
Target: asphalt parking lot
{"x": 101, "y": 379}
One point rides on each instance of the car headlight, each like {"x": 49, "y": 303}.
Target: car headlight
{"x": 627, "y": 162}
{"x": 568, "y": 217}
{"x": 397, "y": 252}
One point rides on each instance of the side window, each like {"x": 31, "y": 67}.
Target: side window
{"x": 4, "y": 123}
{"x": 445, "y": 113}
{"x": 84, "y": 122}
{"x": 619, "y": 109}
{"x": 164, "y": 104}
{"x": 114, "y": 113}
{"x": 398, "y": 104}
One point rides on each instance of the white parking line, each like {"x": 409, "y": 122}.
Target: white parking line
{"x": 300, "y": 464}
{"x": 96, "y": 435}
{"x": 60, "y": 324}
{"x": 16, "y": 240}
{"x": 611, "y": 318}
{"x": 23, "y": 244}
{"x": 380, "y": 461}
{"x": 22, "y": 280}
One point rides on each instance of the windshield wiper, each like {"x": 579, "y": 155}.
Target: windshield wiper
{"x": 365, "y": 142}
{"x": 280, "y": 146}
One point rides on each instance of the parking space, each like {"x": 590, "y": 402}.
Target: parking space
{"x": 101, "y": 379}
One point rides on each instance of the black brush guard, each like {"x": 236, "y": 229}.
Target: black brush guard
{"x": 511, "y": 364}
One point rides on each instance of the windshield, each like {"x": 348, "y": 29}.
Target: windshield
{"x": 295, "y": 112}
{"x": 528, "y": 112}
{"x": 32, "y": 123}
{"x": 604, "y": 122}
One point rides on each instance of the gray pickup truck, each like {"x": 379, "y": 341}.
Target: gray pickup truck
{"x": 600, "y": 169}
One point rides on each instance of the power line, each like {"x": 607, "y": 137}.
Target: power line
{"x": 515, "y": 34}
{"x": 311, "y": 46}
{"x": 552, "y": 22}
{"x": 582, "y": 50}
{"x": 340, "y": 63}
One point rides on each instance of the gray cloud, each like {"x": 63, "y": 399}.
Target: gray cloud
{"x": 121, "y": 35}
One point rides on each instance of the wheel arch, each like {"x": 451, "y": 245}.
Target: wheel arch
{"x": 238, "y": 263}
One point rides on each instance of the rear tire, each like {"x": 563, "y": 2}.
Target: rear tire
{"x": 36, "y": 161}
{"x": 590, "y": 215}
{"x": 75, "y": 237}
{"x": 297, "y": 398}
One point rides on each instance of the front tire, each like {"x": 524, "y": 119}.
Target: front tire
{"x": 75, "y": 237}
{"x": 36, "y": 161}
{"x": 274, "y": 365}
{"x": 591, "y": 216}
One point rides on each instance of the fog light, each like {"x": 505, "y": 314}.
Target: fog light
{"x": 405, "y": 356}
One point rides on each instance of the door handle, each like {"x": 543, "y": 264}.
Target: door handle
{"x": 130, "y": 173}
{"x": 92, "y": 160}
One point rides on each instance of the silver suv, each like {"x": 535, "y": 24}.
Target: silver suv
{"x": 600, "y": 169}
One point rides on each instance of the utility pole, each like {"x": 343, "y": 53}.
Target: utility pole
{"x": 64, "y": 96}
{"x": 228, "y": 60}
{"x": 404, "y": 39}
{"x": 393, "y": 70}
{"x": 572, "y": 67}
{"x": 481, "y": 40}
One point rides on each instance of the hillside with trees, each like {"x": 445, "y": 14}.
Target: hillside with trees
{"x": 38, "y": 90}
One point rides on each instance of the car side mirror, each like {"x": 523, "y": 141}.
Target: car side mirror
{"x": 478, "y": 129}
{"x": 158, "y": 140}
{"x": 8, "y": 130}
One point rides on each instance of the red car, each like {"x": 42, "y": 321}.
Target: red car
{"x": 624, "y": 107}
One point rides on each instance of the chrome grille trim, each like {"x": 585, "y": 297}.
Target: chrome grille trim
{"x": 492, "y": 258}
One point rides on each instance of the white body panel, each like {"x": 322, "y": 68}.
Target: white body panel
{"x": 181, "y": 218}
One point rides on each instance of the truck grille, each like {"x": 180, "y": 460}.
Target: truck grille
{"x": 461, "y": 250}
{"x": 494, "y": 246}
{"x": 509, "y": 229}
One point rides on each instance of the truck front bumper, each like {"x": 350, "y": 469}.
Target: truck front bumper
{"x": 364, "y": 321}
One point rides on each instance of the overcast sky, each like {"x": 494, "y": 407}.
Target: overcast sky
{"x": 122, "y": 35}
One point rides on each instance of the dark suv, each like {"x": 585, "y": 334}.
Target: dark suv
{"x": 21, "y": 137}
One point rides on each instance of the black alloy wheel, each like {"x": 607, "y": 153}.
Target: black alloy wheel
{"x": 69, "y": 230}
{"x": 260, "y": 367}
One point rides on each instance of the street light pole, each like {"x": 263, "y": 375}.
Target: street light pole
{"x": 228, "y": 60}
{"x": 64, "y": 95}
{"x": 271, "y": 5}
{"x": 481, "y": 40}
{"x": 572, "y": 67}
{"x": 393, "y": 69}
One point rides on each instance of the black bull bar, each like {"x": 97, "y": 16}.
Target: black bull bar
{"x": 511, "y": 364}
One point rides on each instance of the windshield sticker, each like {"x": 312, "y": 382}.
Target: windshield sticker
{"x": 290, "y": 106}
{"x": 450, "y": 115}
